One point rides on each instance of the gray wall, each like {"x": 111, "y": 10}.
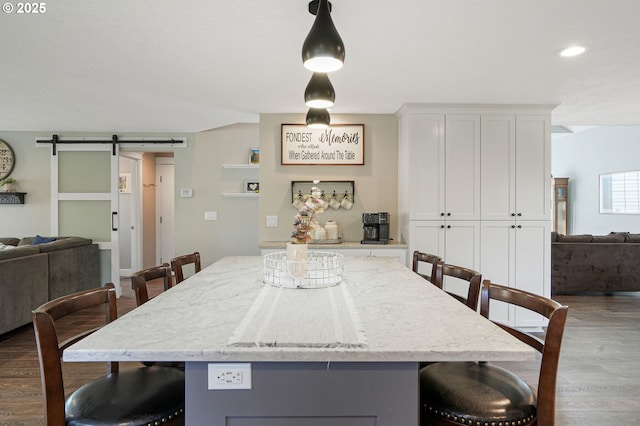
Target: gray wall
{"x": 33, "y": 176}
{"x": 241, "y": 221}
{"x": 199, "y": 167}
{"x": 376, "y": 183}
{"x": 582, "y": 157}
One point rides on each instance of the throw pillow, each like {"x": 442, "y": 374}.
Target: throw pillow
{"x": 41, "y": 240}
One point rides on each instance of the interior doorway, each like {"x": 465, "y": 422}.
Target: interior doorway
{"x": 143, "y": 239}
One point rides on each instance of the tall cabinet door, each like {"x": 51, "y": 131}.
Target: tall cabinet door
{"x": 426, "y": 166}
{"x": 498, "y": 160}
{"x": 462, "y": 167}
{"x": 515, "y": 167}
{"x": 533, "y": 167}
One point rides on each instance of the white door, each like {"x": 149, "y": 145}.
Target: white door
{"x": 84, "y": 199}
{"x": 533, "y": 167}
{"x": 498, "y": 159}
{"x": 426, "y": 166}
{"x": 130, "y": 203}
{"x": 462, "y": 167}
{"x": 165, "y": 217}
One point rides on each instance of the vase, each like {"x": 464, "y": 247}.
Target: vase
{"x": 297, "y": 260}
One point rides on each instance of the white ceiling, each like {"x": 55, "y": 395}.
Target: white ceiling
{"x": 187, "y": 66}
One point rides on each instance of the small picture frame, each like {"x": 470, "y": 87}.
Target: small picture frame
{"x": 252, "y": 186}
{"x": 254, "y": 155}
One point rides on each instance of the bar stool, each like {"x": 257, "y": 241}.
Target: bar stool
{"x": 177, "y": 264}
{"x": 473, "y": 278}
{"x": 136, "y": 396}
{"x": 420, "y": 258}
{"x": 479, "y": 393}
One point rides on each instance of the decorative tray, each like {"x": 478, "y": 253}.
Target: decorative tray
{"x": 338, "y": 241}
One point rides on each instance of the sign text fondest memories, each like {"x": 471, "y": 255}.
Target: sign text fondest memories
{"x": 341, "y": 144}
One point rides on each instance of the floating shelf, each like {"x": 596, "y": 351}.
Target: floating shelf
{"x": 12, "y": 197}
{"x": 240, "y": 194}
{"x": 241, "y": 166}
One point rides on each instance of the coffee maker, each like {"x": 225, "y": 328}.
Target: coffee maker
{"x": 376, "y": 228}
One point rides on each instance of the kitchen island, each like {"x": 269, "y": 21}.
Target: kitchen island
{"x": 354, "y": 363}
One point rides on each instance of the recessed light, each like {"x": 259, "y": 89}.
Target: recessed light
{"x": 572, "y": 51}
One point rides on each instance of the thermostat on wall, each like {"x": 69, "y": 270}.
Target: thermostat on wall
{"x": 186, "y": 192}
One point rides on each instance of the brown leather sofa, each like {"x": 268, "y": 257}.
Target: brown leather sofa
{"x": 33, "y": 274}
{"x": 595, "y": 263}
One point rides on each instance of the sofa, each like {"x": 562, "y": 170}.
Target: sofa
{"x": 34, "y": 270}
{"x": 595, "y": 263}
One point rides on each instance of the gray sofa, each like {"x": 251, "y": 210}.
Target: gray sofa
{"x": 595, "y": 263}
{"x": 33, "y": 274}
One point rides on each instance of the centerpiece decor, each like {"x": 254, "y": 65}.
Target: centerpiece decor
{"x": 307, "y": 217}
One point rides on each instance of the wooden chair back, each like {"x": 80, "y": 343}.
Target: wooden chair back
{"x": 549, "y": 346}
{"x": 419, "y": 259}
{"x": 140, "y": 279}
{"x": 50, "y": 347}
{"x": 177, "y": 264}
{"x": 474, "y": 279}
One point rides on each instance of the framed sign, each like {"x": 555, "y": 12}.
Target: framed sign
{"x": 340, "y": 144}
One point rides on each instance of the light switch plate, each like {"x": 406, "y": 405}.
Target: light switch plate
{"x": 210, "y": 215}
{"x": 186, "y": 192}
{"x": 272, "y": 221}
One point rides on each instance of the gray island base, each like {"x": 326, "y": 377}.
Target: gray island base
{"x": 308, "y": 394}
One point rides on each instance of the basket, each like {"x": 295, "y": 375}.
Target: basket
{"x": 320, "y": 269}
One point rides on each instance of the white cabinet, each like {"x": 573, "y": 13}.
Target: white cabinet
{"x": 443, "y": 173}
{"x": 515, "y": 167}
{"x": 456, "y": 242}
{"x": 517, "y": 254}
{"x": 474, "y": 188}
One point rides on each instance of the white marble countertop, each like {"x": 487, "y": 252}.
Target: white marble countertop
{"x": 403, "y": 318}
{"x": 343, "y": 245}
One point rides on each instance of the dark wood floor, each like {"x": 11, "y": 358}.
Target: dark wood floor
{"x": 598, "y": 383}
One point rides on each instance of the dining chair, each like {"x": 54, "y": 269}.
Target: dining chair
{"x": 420, "y": 259}
{"x": 134, "y": 396}
{"x": 177, "y": 264}
{"x": 140, "y": 279}
{"x": 458, "y": 273}
{"x": 139, "y": 284}
{"x": 479, "y": 393}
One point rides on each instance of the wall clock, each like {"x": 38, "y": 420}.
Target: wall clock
{"x": 7, "y": 159}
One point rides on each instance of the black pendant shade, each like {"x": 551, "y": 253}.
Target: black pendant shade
{"x": 319, "y": 92}
{"x": 318, "y": 118}
{"x": 323, "y": 50}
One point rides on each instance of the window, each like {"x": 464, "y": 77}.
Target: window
{"x": 620, "y": 193}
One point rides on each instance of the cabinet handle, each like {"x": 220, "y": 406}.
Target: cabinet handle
{"x": 519, "y": 214}
{"x": 513, "y": 214}
{"x": 519, "y": 226}
{"x": 448, "y": 214}
{"x": 448, "y": 226}
{"x": 441, "y": 226}
{"x": 441, "y": 214}
{"x": 513, "y": 226}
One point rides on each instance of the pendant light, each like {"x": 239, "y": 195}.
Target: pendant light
{"x": 319, "y": 92}
{"x": 322, "y": 50}
{"x": 318, "y": 118}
